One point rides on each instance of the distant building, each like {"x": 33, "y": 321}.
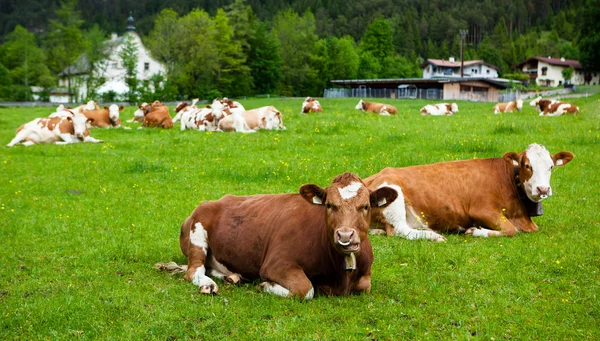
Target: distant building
{"x": 548, "y": 71}
{"x": 439, "y": 68}
{"x": 114, "y": 73}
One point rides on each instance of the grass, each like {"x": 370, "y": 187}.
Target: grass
{"x": 82, "y": 225}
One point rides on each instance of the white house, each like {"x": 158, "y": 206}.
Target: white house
{"x": 114, "y": 71}
{"x": 548, "y": 71}
{"x": 439, "y": 68}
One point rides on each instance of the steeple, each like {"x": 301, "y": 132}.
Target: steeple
{"x": 130, "y": 27}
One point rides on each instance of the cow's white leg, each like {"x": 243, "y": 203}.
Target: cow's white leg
{"x": 278, "y": 290}
{"x": 218, "y": 270}
{"x": 481, "y": 232}
{"x": 198, "y": 251}
{"x": 28, "y": 143}
{"x": 90, "y": 139}
{"x": 395, "y": 215}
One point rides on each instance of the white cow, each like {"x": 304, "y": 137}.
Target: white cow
{"x": 57, "y": 130}
{"x": 439, "y": 109}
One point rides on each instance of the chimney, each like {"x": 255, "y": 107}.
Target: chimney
{"x": 451, "y": 60}
{"x": 113, "y": 36}
{"x": 562, "y": 59}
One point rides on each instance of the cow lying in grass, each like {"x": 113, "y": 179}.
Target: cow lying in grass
{"x": 57, "y": 130}
{"x": 268, "y": 118}
{"x": 559, "y": 108}
{"x": 442, "y": 109}
{"x": 298, "y": 245}
{"x": 311, "y": 105}
{"x": 376, "y": 108}
{"x": 508, "y": 107}
{"x": 484, "y": 197}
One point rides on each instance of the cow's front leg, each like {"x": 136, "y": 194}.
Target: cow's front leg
{"x": 197, "y": 251}
{"x": 286, "y": 281}
{"x": 90, "y": 139}
{"x": 363, "y": 284}
{"x": 499, "y": 224}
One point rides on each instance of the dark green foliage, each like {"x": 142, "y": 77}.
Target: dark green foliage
{"x": 264, "y": 59}
{"x": 589, "y": 38}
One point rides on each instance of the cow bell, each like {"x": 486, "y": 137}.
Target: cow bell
{"x": 350, "y": 262}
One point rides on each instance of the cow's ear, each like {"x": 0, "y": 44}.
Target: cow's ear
{"x": 383, "y": 196}
{"x": 313, "y": 194}
{"x": 562, "y": 158}
{"x": 121, "y": 108}
{"x": 105, "y": 107}
{"x": 69, "y": 119}
{"x": 208, "y": 106}
{"x": 90, "y": 120}
{"x": 512, "y": 158}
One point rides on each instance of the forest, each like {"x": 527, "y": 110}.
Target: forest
{"x": 283, "y": 47}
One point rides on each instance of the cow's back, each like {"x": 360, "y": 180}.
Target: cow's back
{"x": 100, "y": 118}
{"x": 447, "y": 195}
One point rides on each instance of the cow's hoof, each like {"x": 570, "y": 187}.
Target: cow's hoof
{"x": 233, "y": 279}
{"x": 439, "y": 239}
{"x": 210, "y": 289}
{"x": 377, "y": 232}
{"x": 470, "y": 231}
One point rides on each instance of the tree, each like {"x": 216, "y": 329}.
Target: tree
{"x": 162, "y": 40}
{"x": 343, "y": 60}
{"x": 264, "y": 59}
{"x": 129, "y": 58}
{"x": 64, "y": 42}
{"x": 378, "y": 40}
{"x": 567, "y": 74}
{"x": 96, "y": 54}
{"x": 233, "y": 75}
{"x": 589, "y": 37}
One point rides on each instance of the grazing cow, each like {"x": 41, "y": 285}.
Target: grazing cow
{"x": 105, "y": 118}
{"x": 500, "y": 195}
{"x": 311, "y": 105}
{"x": 376, "y": 108}
{"x": 267, "y": 118}
{"x": 298, "y": 245}
{"x": 508, "y": 107}
{"x": 157, "y": 115}
{"x": 441, "y": 109}
{"x": 57, "y": 130}
{"x": 541, "y": 104}
{"x": 559, "y": 108}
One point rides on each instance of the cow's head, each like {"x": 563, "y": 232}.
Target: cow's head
{"x": 535, "y": 101}
{"x": 360, "y": 105}
{"x": 535, "y": 166}
{"x": 348, "y": 205}
{"x": 91, "y": 105}
{"x": 218, "y": 109}
{"x": 454, "y": 108}
{"x": 519, "y": 104}
{"x": 80, "y": 124}
{"x": 113, "y": 114}
{"x": 141, "y": 111}
{"x": 180, "y": 106}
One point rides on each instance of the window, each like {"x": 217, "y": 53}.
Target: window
{"x": 487, "y": 71}
{"x": 146, "y": 66}
{"x": 114, "y": 65}
{"x": 544, "y": 71}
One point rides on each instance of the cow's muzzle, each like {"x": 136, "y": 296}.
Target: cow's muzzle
{"x": 347, "y": 239}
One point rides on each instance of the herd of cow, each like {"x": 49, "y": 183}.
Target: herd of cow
{"x": 70, "y": 125}
{"x": 317, "y": 241}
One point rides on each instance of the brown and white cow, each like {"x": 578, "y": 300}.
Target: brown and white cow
{"x": 106, "y": 117}
{"x": 297, "y": 245}
{"x": 508, "y": 107}
{"x": 157, "y": 115}
{"x": 138, "y": 115}
{"x": 311, "y": 105}
{"x": 183, "y": 107}
{"x": 442, "y": 109}
{"x": 376, "y": 108}
{"x": 268, "y": 118}
{"x": 559, "y": 108}
{"x": 500, "y": 195}
{"x": 234, "y": 107}
{"x": 541, "y": 104}
{"x": 57, "y": 130}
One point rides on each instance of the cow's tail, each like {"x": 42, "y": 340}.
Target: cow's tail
{"x": 170, "y": 267}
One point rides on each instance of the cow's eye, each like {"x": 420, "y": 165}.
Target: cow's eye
{"x": 551, "y": 167}
{"x": 329, "y": 206}
{"x": 365, "y": 208}
{"x": 527, "y": 166}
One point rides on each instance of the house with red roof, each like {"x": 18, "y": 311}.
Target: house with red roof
{"x": 440, "y": 68}
{"x": 547, "y": 71}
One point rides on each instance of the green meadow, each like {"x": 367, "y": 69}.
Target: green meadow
{"x": 82, "y": 225}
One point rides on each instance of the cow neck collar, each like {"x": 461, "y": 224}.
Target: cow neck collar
{"x": 534, "y": 209}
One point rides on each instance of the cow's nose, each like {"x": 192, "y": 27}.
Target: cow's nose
{"x": 543, "y": 190}
{"x": 345, "y": 236}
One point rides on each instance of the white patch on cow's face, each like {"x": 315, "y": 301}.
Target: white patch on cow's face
{"x": 538, "y": 187}
{"x": 359, "y": 106}
{"x": 113, "y": 112}
{"x": 454, "y": 107}
{"x": 199, "y": 237}
{"x": 139, "y": 113}
{"x": 276, "y": 289}
{"x": 79, "y": 125}
{"x": 217, "y": 109}
{"x": 519, "y": 104}
{"x": 350, "y": 191}
{"x": 535, "y": 101}
{"x": 91, "y": 105}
